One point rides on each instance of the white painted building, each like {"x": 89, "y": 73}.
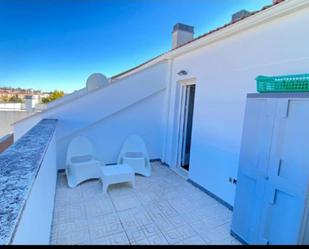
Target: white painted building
{"x": 13, "y": 112}
{"x": 188, "y": 104}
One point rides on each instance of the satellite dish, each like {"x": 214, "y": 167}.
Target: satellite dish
{"x": 95, "y": 81}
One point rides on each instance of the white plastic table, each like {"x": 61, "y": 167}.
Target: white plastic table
{"x": 117, "y": 174}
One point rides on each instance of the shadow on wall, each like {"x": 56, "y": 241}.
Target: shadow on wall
{"x": 6, "y": 142}
{"x": 109, "y": 134}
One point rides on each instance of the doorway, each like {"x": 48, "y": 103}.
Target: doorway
{"x": 187, "y": 108}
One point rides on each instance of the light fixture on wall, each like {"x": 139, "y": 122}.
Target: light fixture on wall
{"x": 182, "y": 73}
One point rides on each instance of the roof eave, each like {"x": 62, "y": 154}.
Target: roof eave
{"x": 257, "y": 18}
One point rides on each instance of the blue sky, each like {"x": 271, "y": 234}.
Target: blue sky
{"x": 57, "y": 44}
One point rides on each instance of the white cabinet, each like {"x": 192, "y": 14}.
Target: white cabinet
{"x": 271, "y": 195}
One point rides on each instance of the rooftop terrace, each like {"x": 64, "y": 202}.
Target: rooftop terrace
{"x": 163, "y": 209}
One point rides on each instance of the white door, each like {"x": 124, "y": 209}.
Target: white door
{"x": 187, "y": 122}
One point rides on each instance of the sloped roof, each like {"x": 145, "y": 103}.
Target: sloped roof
{"x": 200, "y": 37}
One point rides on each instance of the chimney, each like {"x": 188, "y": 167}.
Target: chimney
{"x": 182, "y": 34}
{"x": 277, "y": 1}
{"x": 239, "y": 15}
{"x": 29, "y": 103}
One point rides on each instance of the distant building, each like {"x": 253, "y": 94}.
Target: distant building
{"x": 21, "y": 93}
{"x": 11, "y": 112}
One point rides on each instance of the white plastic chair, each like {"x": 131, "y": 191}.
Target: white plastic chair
{"x": 134, "y": 153}
{"x": 81, "y": 163}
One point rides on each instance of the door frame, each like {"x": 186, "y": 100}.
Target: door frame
{"x": 181, "y": 85}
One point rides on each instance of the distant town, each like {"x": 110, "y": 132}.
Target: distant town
{"x": 17, "y": 95}
{"x": 19, "y": 103}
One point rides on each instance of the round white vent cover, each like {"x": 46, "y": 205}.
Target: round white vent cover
{"x": 96, "y": 81}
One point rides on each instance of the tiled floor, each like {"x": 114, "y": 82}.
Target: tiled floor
{"x": 163, "y": 209}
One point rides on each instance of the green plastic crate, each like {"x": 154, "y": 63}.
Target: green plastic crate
{"x": 286, "y": 83}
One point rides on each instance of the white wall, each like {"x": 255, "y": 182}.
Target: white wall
{"x": 20, "y": 128}
{"x": 225, "y": 73}
{"x": 107, "y": 116}
{"x": 133, "y": 104}
{"x": 11, "y": 106}
{"x": 35, "y": 223}
{"x": 143, "y": 118}
{"x": 7, "y": 118}
{"x": 67, "y": 98}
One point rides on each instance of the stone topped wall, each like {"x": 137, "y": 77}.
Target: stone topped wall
{"x": 19, "y": 167}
